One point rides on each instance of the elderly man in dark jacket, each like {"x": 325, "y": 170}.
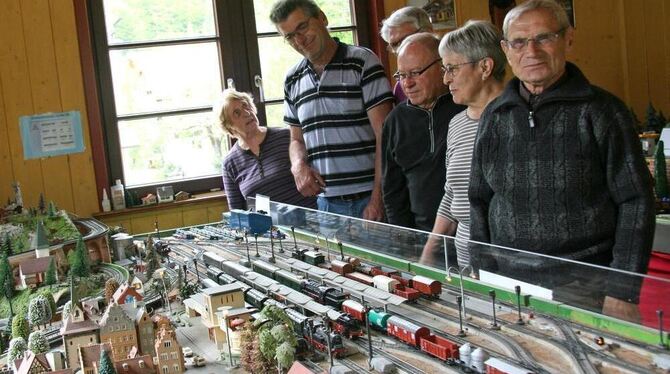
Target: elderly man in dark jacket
{"x": 414, "y": 136}
{"x": 558, "y": 170}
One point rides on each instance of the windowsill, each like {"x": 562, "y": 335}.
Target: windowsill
{"x": 195, "y": 199}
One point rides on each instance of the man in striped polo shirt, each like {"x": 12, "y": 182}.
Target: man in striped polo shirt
{"x": 336, "y": 100}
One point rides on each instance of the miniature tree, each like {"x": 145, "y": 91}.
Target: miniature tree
{"x": 285, "y": 355}
{"x": 66, "y": 309}
{"x": 39, "y": 311}
{"x": 20, "y": 327}
{"x": 247, "y": 337}
{"x": 78, "y": 260}
{"x": 7, "y": 245}
{"x": 42, "y": 205}
{"x": 17, "y": 348}
{"x": 6, "y": 278}
{"x": 111, "y": 285}
{"x": 180, "y": 278}
{"x": 106, "y": 364}
{"x": 37, "y": 343}
{"x": 51, "y": 277}
{"x": 653, "y": 121}
{"x": 152, "y": 262}
{"x": 52, "y": 211}
{"x": 188, "y": 289}
{"x": 52, "y": 302}
{"x": 275, "y": 330}
{"x": 636, "y": 121}
{"x": 660, "y": 175}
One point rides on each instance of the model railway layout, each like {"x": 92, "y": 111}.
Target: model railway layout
{"x": 415, "y": 321}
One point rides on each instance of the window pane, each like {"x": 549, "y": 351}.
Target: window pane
{"x": 276, "y": 58}
{"x": 170, "y": 148}
{"x": 152, "y": 20}
{"x": 275, "y": 114}
{"x": 337, "y": 11}
{"x": 345, "y": 37}
{"x": 165, "y": 78}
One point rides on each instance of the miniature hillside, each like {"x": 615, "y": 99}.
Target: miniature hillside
{"x": 20, "y": 227}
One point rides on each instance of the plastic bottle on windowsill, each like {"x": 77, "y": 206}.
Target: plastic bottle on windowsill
{"x": 106, "y": 204}
{"x": 118, "y": 196}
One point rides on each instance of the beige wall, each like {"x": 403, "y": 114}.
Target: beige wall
{"x": 622, "y": 45}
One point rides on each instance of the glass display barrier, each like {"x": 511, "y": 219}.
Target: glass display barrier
{"x": 632, "y": 305}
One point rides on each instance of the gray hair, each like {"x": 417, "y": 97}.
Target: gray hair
{"x": 409, "y": 14}
{"x": 477, "y": 40}
{"x": 429, "y": 41}
{"x": 556, "y": 11}
{"x": 283, "y": 8}
{"x": 221, "y": 106}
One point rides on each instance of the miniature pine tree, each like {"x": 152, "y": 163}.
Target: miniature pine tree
{"x": 8, "y": 245}
{"x": 652, "y": 119}
{"x": 52, "y": 209}
{"x": 17, "y": 348}
{"x": 42, "y": 205}
{"x": 247, "y": 346}
{"x": 37, "y": 343}
{"x": 6, "y": 278}
{"x": 66, "y": 309}
{"x": 51, "y": 277}
{"x": 660, "y": 175}
{"x": 20, "y": 327}
{"x": 111, "y": 285}
{"x": 106, "y": 365}
{"x": 78, "y": 260}
{"x": 180, "y": 278}
{"x": 636, "y": 121}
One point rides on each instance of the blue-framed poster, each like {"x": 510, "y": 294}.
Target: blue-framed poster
{"x": 51, "y": 134}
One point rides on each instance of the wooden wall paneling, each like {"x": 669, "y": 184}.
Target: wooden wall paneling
{"x": 17, "y": 96}
{"x": 214, "y": 211}
{"x": 195, "y": 215}
{"x": 142, "y": 223}
{"x": 472, "y": 9}
{"x": 635, "y": 57}
{"x": 656, "y": 34}
{"x": 6, "y": 173}
{"x": 40, "y": 52}
{"x": 170, "y": 219}
{"x": 81, "y": 169}
{"x": 597, "y": 46}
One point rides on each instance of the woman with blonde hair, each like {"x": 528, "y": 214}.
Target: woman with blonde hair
{"x": 259, "y": 162}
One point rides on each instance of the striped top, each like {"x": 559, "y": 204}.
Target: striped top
{"x": 269, "y": 174}
{"x": 455, "y": 205}
{"x": 332, "y": 112}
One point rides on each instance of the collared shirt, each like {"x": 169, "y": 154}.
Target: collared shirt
{"x": 332, "y": 113}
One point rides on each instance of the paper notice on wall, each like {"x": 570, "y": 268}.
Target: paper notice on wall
{"x": 51, "y": 134}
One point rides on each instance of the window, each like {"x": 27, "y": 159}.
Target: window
{"x": 174, "y": 355}
{"x": 167, "y": 343}
{"x": 165, "y": 369}
{"x": 161, "y": 65}
{"x": 164, "y": 356}
{"x": 176, "y": 368}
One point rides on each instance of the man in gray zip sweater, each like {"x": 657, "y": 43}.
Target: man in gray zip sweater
{"x": 414, "y": 136}
{"x": 558, "y": 170}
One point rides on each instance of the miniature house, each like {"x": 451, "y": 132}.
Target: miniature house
{"x": 32, "y": 272}
{"x": 119, "y": 330}
{"x": 89, "y": 357}
{"x": 169, "y": 357}
{"x": 207, "y": 304}
{"x": 78, "y": 331}
{"x": 126, "y": 294}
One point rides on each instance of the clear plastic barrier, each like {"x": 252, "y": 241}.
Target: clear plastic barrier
{"x": 546, "y": 283}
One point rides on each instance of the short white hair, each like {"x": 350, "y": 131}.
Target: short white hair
{"x": 409, "y": 14}
{"x": 556, "y": 11}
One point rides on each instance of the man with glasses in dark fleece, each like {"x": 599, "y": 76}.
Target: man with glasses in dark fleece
{"x": 335, "y": 101}
{"x": 558, "y": 170}
{"x": 414, "y": 139}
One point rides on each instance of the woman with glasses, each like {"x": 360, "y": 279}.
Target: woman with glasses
{"x": 258, "y": 163}
{"x": 474, "y": 68}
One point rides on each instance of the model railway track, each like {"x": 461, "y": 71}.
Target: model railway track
{"x": 351, "y": 364}
{"x": 522, "y": 355}
{"x": 402, "y": 365}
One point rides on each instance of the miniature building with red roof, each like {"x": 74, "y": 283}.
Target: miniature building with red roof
{"x": 126, "y": 294}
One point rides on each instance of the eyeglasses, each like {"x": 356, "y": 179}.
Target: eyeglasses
{"x": 300, "y": 30}
{"x": 413, "y": 74}
{"x": 451, "y": 69}
{"x": 543, "y": 39}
